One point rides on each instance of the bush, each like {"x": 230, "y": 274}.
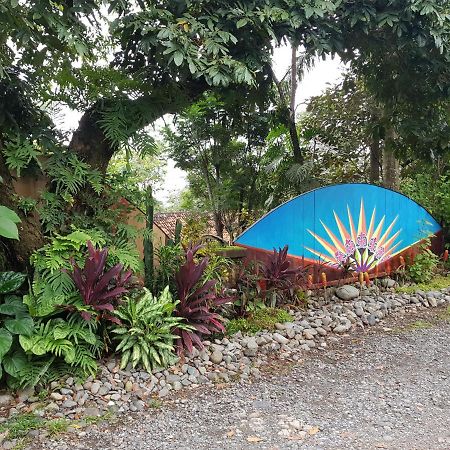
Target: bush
{"x": 146, "y": 336}
{"x": 280, "y": 279}
{"x": 425, "y": 264}
{"x": 170, "y": 259}
{"x": 263, "y": 319}
{"x": 197, "y": 298}
{"x": 98, "y": 288}
{"x": 15, "y": 321}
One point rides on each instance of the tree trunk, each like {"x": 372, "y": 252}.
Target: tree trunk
{"x": 30, "y": 232}
{"x": 148, "y": 241}
{"x": 298, "y": 156}
{"x": 374, "y": 176}
{"x": 390, "y": 162}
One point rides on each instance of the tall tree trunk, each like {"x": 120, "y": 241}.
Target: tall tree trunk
{"x": 30, "y": 232}
{"x": 298, "y": 155}
{"x": 391, "y": 168}
{"x": 148, "y": 240}
{"x": 374, "y": 175}
{"x": 288, "y": 101}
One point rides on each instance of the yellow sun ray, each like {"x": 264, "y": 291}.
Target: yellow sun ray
{"x": 321, "y": 256}
{"x": 334, "y": 238}
{"x": 386, "y": 233}
{"x": 329, "y": 248}
{"x": 372, "y": 223}
{"x": 391, "y": 240}
{"x": 362, "y": 218}
{"x": 352, "y": 225}
{"x": 377, "y": 231}
{"x": 342, "y": 230}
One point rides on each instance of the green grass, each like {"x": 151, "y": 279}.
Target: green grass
{"x": 439, "y": 282}
{"x": 419, "y": 325}
{"x": 18, "y": 426}
{"x": 263, "y": 319}
{"x": 57, "y": 426}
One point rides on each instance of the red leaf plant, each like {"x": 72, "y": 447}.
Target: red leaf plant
{"x": 280, "y": 279}
{"x": 196, "y": 300}
{"x": 99, "y": 288}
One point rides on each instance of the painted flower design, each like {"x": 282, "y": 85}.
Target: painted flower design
{"x": 362, "y": 248}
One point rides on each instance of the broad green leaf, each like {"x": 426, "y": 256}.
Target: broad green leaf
{"x": 22, "y": 326}
{"x": 178, "y": 58}
{"x": 13, "y": 306}
{"x": 8, "y": 229}
{"x": 11, "y": 281}
{"x": 26, "y": 343}
{"x": 60, "y": 332}
{"x": 241, "y": 23}
{"x": 5, "y": 342}
{"x": 15, "y": 362}
{"x": 6, "y": 213}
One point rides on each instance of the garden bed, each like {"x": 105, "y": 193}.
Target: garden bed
{"x": 236, "y": 357}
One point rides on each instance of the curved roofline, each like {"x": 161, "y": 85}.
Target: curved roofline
{"x": 325, "y": 187}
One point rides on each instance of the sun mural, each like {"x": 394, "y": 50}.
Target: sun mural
{"x": 361, "y": 248}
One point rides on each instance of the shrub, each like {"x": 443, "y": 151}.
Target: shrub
{"x": 197, "y": 298}
{"x": 170, "y": 258}
{"x": 98, "y": 288}
{"x": 262, "y": 319}
{"x": 248, "y": 288}
{"x": 15, "y": 321}
{"x": 281, "y": 281}
{"x": 52, "y": 285}
{"x": 58, "y": 347}
{"x": 425, "y": 264}
{"x": 146, "y": 336}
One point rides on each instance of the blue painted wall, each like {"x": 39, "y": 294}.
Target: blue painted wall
{"x": 309, "y": 225}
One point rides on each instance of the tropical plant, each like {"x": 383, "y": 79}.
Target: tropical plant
{"x": 58, "y": 347}
{"x": 280, "y": 282}
{"x": 248, "y": 289}
{"x": 196, "y": 301}
{"x": 169, "y": 258}
{"x": 8, "y": 223}
{"x": 145, "y": 335}
{"x": 424, "y": 265}
{"x": 15, "y": 322}
{"x": 99, "y": 288}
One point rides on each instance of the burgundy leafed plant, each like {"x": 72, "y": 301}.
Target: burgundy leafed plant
{"x": 280, "y": 279}
{"x": 99, "y": 288}
{"x": 196, "y": 300}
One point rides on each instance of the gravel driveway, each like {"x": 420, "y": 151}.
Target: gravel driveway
{"x": 384, "y": 389}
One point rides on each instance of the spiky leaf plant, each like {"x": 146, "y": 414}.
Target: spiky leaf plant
{"x": 197, "y": 300}
{"x": 98, "y": 287}
{"x": 145, "y": 336}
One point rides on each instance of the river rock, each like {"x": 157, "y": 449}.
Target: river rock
{"x": 347, "y": 292}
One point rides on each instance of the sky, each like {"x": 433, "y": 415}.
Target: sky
{"x": 324, "y": 73}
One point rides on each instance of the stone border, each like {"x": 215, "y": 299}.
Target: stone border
{"x": 236, "y": 357}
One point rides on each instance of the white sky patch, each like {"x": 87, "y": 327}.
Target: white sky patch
{"x": 324, "y": 73}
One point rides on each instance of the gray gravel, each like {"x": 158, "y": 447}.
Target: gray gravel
{"x": 384, "y": 389}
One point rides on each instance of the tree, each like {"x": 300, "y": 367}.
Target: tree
{"x": 346, "y": 118}
{"x": 167, "y": 53}
{"x": 219, "y": 142}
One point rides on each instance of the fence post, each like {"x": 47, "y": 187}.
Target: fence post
{"x": 148, "y": 240}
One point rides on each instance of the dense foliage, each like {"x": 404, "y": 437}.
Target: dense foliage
{"x": 197, "y": 302}
{"x": 145, "y": 335}
{"x": 206, "y": 69}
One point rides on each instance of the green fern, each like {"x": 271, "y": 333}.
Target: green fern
{"x": 19, "y": 153}
{"x": 58, "y": 347}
